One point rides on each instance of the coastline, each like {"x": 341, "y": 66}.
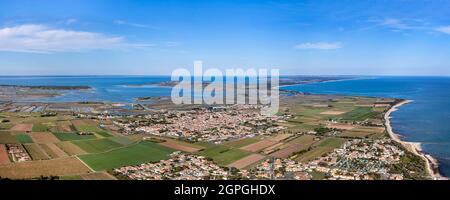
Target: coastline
{"x": 413, "y": 147}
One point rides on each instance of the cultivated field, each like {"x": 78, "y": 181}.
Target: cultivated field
{"x": 7, "y": 138}
{"x": 36, "y": 152}
{"x": 55, "y": 167}
{"x": 97, "y": 145}
{"x": 181, "y": 146}
{"x": 70, "y": 149}
{"x": 65, "y": 136}
{"x": 3, "y": 155}
{"x": 97, "y": 176}
{"x": 258, "y": 146}
{"x": 223, "y": 155}
{"x": 298, "y": 144}
{"x": 132, "y": 155}
{"x": 44, "y": 137}
{"x": 246, "y": 161}
{"x": 325, "y": 146}
{"x": 22, "y": 127}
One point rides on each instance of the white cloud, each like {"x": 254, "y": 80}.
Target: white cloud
{"x": 34, "y": 38}
{"x": 319, "y": 45}
{"x": 444, "y": 29}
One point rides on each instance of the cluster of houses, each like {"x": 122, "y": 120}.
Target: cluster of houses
{"x": 179, "y": 167}
{"x": 18, "y": 153}
{"x": 355, "y": 160}
{"x": 211, "y": 125}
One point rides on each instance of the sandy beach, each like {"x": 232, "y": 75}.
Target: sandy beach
{"x": 414, "y": 147}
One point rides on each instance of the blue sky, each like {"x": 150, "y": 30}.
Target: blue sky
{"x": 63, "y": 37}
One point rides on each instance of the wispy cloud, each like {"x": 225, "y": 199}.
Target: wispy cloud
{"x": 401, "y": 25}
{"x": 35, "y": 38}
{"x": 319, "y": 45}
{"x": 443, "y": 29}
{"x": 398, "y": 25}
{"x": 172, "y": 44}
{"x": 395, "y": 24}
{"x": 137, "y": 25}
{"x": 70, "y": 21}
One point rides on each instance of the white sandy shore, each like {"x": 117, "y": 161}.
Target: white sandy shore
{"x": 413, "y": 147}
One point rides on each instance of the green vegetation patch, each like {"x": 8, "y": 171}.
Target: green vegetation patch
{"x": 133, "y": 155}
{"x": 73, "y": 136}
{"x": 39, "y": 128}
{"x": 242, "y": 142}
{"x": 359, "y": 114}
{"x": 71, "y": 178}
{"x": 317, "y": 175}
{"x": 96, "y": 146}
{"x": 22, "y": 138}
{"x": 103, "y": 134}
{"x": 122, "y": 140}
{"x": 87, "y": 128}
{"x": 332, "y": 142}
{"x": 223, "y": 155}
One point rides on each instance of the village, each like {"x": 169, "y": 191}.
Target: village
{"x": 214, "y": 124}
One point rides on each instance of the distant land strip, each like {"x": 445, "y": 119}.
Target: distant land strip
{"x": 49, "y": 87}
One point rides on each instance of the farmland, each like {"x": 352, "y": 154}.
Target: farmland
{"x": 36, "y": 152}
{"x": 131, "y": 155}
{"x": 72, "y": 136}
{"x": 223, "y": 155}
{"x": 22, "y": 138}
{"x": 35, "y": 169}
{"x": 97, "y": 145}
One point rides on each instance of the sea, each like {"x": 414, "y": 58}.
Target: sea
{"x": 425, "y": 120}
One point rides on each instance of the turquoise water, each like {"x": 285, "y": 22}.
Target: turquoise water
{"x": 425, "y": 120}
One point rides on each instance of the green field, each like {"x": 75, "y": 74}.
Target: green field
{"x": 242, "y": 142}
{"x": 96, "y": 146}
{"x": 92, "y": 128}
{"x": 122, "y": 140}
{"x": 132, "y": 155}
{"x": 359, "y": 114}
{"x": 87, "y": 128}
{"x": 103, "y": 133}
{"x": 22, "y": 138}
{"x": 72, "y": 136}
{"x": 39, "y": 128}
{"x": 223, "y": 155}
